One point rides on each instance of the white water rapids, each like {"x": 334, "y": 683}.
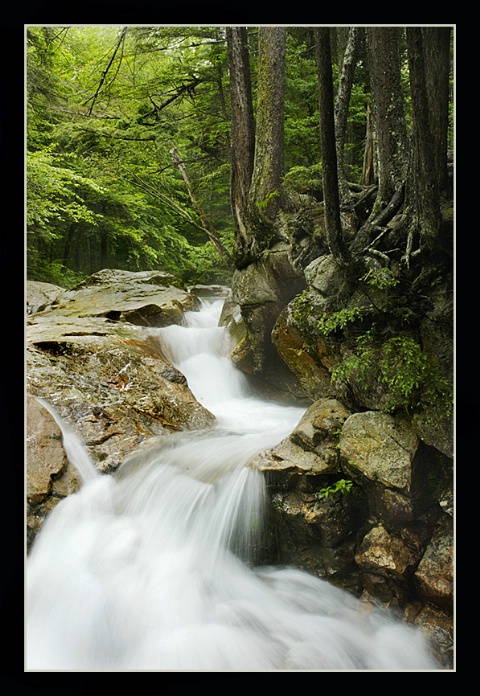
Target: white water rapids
{"x": 147, "y": 569}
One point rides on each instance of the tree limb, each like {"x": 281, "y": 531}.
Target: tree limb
{"x": 105, "y": 72}
{"x": 214, "y": 238}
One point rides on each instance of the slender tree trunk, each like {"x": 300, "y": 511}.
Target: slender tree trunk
{"x": 388, "y": 112}
{"x": 341, "y": 111}
{"x": 210, "y": 230}
{"x": 243, "y": 134}
{"x": 68, "y": 245}
{"x": 103, "y": 249}
{"x": 327, "y": 141}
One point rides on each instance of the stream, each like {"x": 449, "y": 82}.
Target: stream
{"x": 151, "y": 568}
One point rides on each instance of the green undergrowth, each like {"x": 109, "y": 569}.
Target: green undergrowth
{"x": 381, "y": 336}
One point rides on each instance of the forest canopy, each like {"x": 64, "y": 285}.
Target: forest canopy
{"x": 129, "y": 142}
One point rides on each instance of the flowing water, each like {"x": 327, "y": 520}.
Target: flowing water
{"x": 149, "y": 568}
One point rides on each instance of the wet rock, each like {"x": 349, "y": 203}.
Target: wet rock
{"x": 319, "y": 428}
{"x": 310, "y": 450}
{"x": 288, "y": 465}
{"x": 327, "y": 278}
{"x": 302, "y": 359}
{"x": 117, "y": 295}
{"x": 315, "y": 534}
{"x": 209, "y": 290}
{"x": 438, "y": 626}
{"x": 102, "y": 368}
{"x": 46, "y": 458}
{"x": 381, "y": 447}
{"x": 262, "y": 289}
{"x": 435, "y": 576}
{"x": 384, "y": 454}
{"x": 41, "y": 295}
{"x": 386, "y": 554}
{"x": 50, "y": 477}
{"x": 231, "y": 318}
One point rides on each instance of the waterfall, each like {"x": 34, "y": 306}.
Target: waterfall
{"x": 150, "y": 568}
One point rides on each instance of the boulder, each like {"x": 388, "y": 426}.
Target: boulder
{"x": 314, "y": 530}
{"x": 380, "y": 447}
{"x": 309, "y": 451}
{"x": 50, "y": 477}
{"x": 435, "y": 574}
{"x": 106, "y": 377}
{"x": 262, "y": 289}
{"x": 146, "y": 298}
{"x": 302, "y": 359}
{"x": 209, "y": 290}
{"x": 327, "y": 278}
{"x": 386, "y": 554}
{"x": 41, "y": 295}
{"x": 383, "y": 452}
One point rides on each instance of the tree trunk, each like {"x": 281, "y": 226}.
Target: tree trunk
{"x": 103, "y": 249}
{"x": 436, "y": 46}
{"x": 327, "y": 141}
{"x": 341, "y": 111}
{"x": 243, "y": 135}
{"x": 68, "y": 245}
{"x": 207, "y": 225}
{"x": 268, "y": 167}
{"x": 368, "y": 173}
{"x": 423, "y": 200}
{"x": 388, "y": 112}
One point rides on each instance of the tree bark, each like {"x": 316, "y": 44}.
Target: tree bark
{"x": 368, "y": 173}
{"x": 423, "y": 199}
{"x": 268, "y": 166}
{"x": 207, "y": 226}
{"x": 341, "y": 111}
{"x": 436, "y": 46}
{"x": 329, "y": 155}
{"x": 388, "y": 112}
{"x": 243, "y": 134}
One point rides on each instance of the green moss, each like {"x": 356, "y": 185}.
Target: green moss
{"x": 412, "y": 380}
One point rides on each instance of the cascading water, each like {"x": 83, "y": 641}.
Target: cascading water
{"x": 146, "y": 569}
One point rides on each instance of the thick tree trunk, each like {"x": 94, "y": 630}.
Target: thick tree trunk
{"x": 341, "y": 111}
{"x": 243, "y": 134}
{"x": 423, "y": 199}
{"x": 327, "y": 141}
{"x": 436, "y": 48}
{"x": 265, "y": 196}
{"x": 388, "y": 112}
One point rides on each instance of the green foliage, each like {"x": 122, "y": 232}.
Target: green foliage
{"x": 413, "y": 381}
{"x": 99, "y": 145}
{"x": 304, "y": 179}
{"x": 270, "y": 197}
{"x": 302, "y": 147}
{"x": 301, "y": 310}
{"x": 53, "y": 192}
{"x": 342, "y": 486}
{"x": 381, "y": 278}
{"x": 329, "y": 323}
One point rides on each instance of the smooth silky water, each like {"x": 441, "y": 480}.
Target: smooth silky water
{"x": 150, "y": 568}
